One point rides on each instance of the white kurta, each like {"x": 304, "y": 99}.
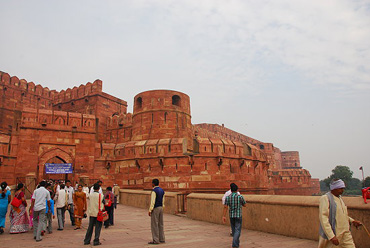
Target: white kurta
{"x": 342, "y": 224}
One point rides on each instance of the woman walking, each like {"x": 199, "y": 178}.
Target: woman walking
{"x": 109, "y": 207}
{"x": 18, "y": 215}
{"x": 4, "y": 202}
{"x": 79, "y": 199}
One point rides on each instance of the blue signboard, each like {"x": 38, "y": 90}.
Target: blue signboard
{"x": 58, "y": 168}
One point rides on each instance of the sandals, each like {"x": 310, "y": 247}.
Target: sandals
{"x": 153, "y": 243}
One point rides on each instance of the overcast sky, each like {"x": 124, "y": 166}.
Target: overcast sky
{"x": 294, "y": 73}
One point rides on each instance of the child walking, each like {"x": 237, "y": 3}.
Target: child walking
{"x": 49, "y": 215}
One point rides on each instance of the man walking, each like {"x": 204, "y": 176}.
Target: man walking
{"x": 61, "y": 203}
{"x": 70, "y": 191}
{"x": 96, "y": 200}
{"x": 334, "y": 220}
{"x": 234, "y": 202}
{"x": 227, "y": 193}
{"x": 116, "y": 192}
{"x": 40, "y": 198}
{"x": 156, "y": 213}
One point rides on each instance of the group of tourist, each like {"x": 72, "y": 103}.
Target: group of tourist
{"x": 334, "y": 220}
{"x": 79, "y": 202}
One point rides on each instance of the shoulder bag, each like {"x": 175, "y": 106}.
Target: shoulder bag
{"x": 102, "y": 214}
{"x": 16, "y": 202}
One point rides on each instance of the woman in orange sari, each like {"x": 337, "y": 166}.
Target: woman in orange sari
{"x": 79, "y": 200}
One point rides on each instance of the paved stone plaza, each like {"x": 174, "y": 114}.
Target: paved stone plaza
{"x": 132, "y": 229}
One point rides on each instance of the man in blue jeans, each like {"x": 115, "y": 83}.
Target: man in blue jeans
{"x": 235, "y": 203}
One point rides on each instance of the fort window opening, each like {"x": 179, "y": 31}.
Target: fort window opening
{"x": 176, "y": 100}
{"x": 262, "y": 147}
{"x": 139, "y": 102}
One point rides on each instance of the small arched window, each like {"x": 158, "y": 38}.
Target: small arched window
{"x": 176, "y": 100}
{"x": 139, "y": 102}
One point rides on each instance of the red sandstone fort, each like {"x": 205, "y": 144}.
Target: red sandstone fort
{"x": 93, "y": 131}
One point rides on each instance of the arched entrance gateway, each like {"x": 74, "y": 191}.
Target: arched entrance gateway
{"x": 57, "y": 157}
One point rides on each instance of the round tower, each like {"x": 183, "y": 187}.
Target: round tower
{"x": 161, "y": 114}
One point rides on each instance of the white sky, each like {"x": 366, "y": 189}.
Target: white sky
{"x": 294, "y": 73}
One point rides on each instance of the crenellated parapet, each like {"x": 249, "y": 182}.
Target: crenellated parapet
{"x": 275, "y": 157}
{"x": 21, "y": 85}
{"x": 78, "y": 92}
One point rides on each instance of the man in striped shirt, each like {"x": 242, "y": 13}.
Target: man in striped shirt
{"x": 235, "y": 203}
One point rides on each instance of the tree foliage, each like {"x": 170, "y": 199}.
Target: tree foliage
{"x": 353, "y": 185}
{"x": 367, "y": 182}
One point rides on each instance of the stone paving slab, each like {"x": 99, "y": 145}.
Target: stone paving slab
{"x": 132, "y": 229}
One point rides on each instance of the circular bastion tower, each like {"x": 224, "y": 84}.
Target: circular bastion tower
{"x": 162, "y": 114}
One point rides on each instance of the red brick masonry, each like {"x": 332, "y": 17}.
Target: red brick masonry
{"x": 93, "y": 131}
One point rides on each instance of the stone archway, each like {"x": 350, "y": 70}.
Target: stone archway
{"x": 51, "y": 155}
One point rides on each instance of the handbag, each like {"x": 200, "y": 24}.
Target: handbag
{"x": 16, "y": 202}
{"x": 102, "y": 214}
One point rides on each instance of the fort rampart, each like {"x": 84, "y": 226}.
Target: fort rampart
{"x": 92, "y": 130}
{"x": 294, "y": 216}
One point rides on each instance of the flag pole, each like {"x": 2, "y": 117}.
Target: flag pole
{"x": 363, "y": 178}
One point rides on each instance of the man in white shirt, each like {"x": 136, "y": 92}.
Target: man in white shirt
{"x": 40, "y": 197}
{"x": 61, "y": 203}
{"x": 93, "y": 213}
{"x": 100, "y": 189}
{"x": 70, "y": 191}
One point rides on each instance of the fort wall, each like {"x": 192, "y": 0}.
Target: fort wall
{"x": 93, "y": 131}
{"x": 294, "y": 216}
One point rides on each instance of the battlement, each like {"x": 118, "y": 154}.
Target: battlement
{"x": 7, "y": 82}
{"x": 220, "y": 131}
{"x": 79, "y": 92}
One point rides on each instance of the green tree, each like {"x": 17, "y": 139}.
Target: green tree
{"x": 341, "y": 172}
{"x": 354, "y": 183}
{"x": 354, "y": 187}
{"x": 323, "y": 186}
{"x": 367, "y": 182}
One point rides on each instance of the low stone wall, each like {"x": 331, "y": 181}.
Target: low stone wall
{"x": 295, "y": 216}
{"x": 141, "y": 199}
